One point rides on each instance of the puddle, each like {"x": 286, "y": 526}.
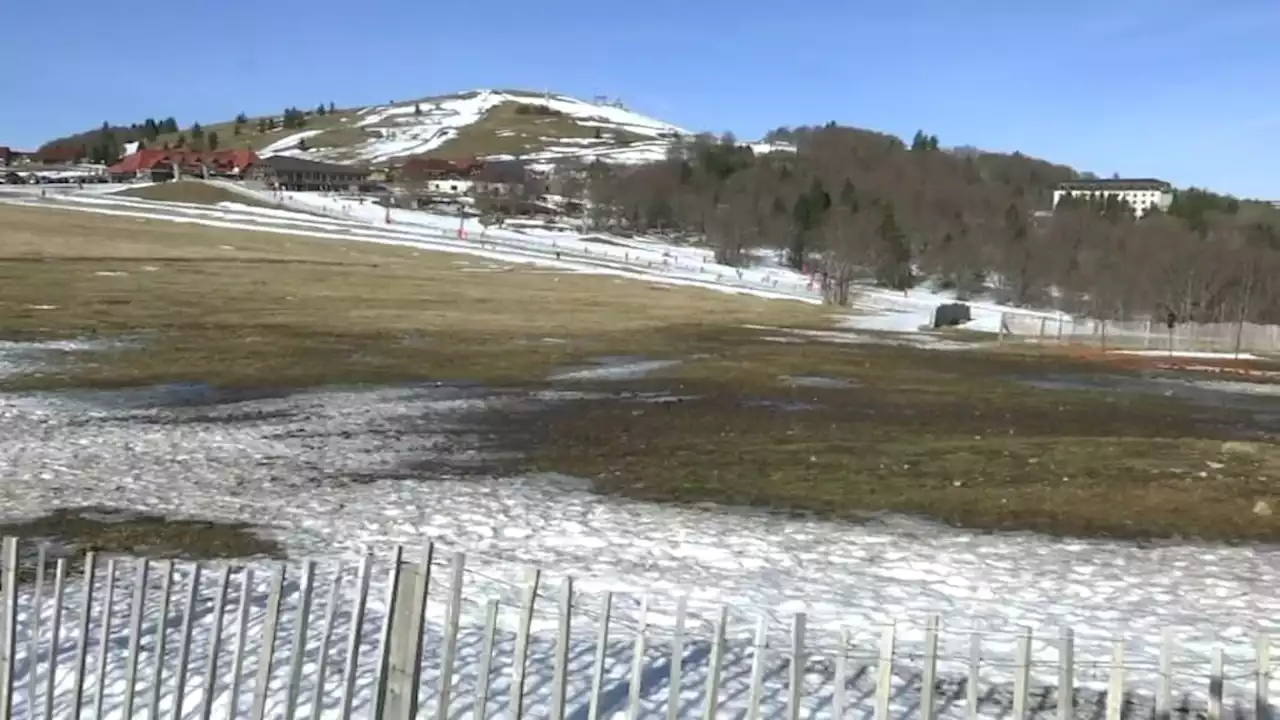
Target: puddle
{"x": 614, "y": 367}
{"x": 784, "y": 405}
{"x": 817, "y": 381}
{"x": 20, "y": 358}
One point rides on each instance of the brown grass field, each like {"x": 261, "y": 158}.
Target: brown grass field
{"x": 948, "y": 434}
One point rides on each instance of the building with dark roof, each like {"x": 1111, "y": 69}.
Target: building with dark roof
{"x": 291, "y": 173}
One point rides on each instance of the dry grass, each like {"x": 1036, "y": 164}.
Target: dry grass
{"x": 948, "y": 434}
{"x": 503, "y": 130}
{"x": 197, "y": 193}
{"x": 250, "y": 137}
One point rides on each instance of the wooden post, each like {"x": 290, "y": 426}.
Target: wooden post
{"x": 717, "y": 664}
{"x": 354, "y": 636}
{"x": 1216, "y": 681}
{"x": 161, "y": 633}
{"x": 82, "y": 641}
{"x": 184, "y": 642}
{"x": 457, "y": 571}
{"x": 1115, "y": 691}
{"x": 486, "y": 659}
{"x": 676, "y": 674}
{"x": 884, "y": 672}
{"x": 532, "y": 576}
{"x": 100, "y": 672}
{"x": 33, "y": 641}
{"x": 242, "y": 633}
{"x": 266, "y": 653}
{"x": 59, "y": 583}
{"x": 975, "y": 675}
{"x": 402, "y": 658}
{"x": 929, "y": 676}
{"x": 1164, "y": 686}
{"x": 1066, "y": 675}
{"x": 326, "y": 636}
{"x": 560, "y": 679}
{"x": 839, "y": 690}
{"x": 10, "y": 627}
{"x": 796, "y": 684}
{"x": 136, "y": 610}
{"x": 215, "y": 645}
{"x": 1022, "y": 680}
{"x": 298, "y": 648}
{"x": 602, "y": 653}
{"x": 638, "y": 662}
{"x": 1261, "y": 702}
{"x": 758, "y": 663}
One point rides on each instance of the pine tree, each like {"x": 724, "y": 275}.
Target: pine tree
{"x": 417, "y": 109}
{"x": 212, "y": 141}
{"x": 331, "y": 107}
{"x": 241, "y": 119}
{"x": 320, "y": 109}
{"x": 893, "y": 260}
{"x": 169, "y": 125}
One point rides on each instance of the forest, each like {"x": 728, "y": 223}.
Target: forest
{"x": 858, "y": 206}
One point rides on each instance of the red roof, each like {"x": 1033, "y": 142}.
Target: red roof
{"x": 238, "y": 158}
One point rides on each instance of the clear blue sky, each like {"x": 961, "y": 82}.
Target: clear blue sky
{"x": 1184, "y": 90}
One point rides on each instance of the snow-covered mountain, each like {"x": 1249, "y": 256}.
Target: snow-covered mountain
{"x": 541, "y": 127}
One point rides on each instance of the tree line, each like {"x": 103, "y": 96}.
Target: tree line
{"x": 854, "y": 206}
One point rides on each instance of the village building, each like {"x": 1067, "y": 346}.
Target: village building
{"x": 162, "y": 165}
{"x": 298, "y": 174}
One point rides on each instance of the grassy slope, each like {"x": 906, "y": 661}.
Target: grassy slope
{"x": 942, "y": 433}
{"x": 184, "y": 191}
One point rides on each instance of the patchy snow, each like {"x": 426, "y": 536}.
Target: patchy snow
{"x": 333, "y": 473}
{"x": 288, "y": 142}
{"x": 1202, "y": 355}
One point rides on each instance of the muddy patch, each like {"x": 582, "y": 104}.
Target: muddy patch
{"x": 817, "y": 381}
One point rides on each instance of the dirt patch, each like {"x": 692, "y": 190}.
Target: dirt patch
{"x": 197, "y": 193}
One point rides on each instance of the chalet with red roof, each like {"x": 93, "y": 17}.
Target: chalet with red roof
{"x": 160, "y": 165}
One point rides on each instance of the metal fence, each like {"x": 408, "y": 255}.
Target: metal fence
{"x": 1231, "y": 338}
{"x": 397, "y": 637}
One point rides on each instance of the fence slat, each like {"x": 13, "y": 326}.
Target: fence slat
{"x": 55, "y": 629}
{"x": 326, "y": 634}
{"x": 267, "y": 652}
{"x": 759, "y": 657}
{"x": 1164, "y": 688}
{"x": 532, "y": 576}
{"x": 457, "y": 574}
{"x": 676, "y": 666}
{"x": 10, "y": 626}
{"x": 1115, "y": 690}
{"x": 403, "y": 656}
{"x": 796, "y": 684}
{"x": 717, "y": 664}
{"x": 100, "y": 672}
{"x": 137, "y": 608}
{"x": 486, "y": 658}
{"x": 1066, "y": 674}
{"x": 33, "y": 642}
{"x": 1216, "y": 682}
{"x": 1261, "y": 703}
{"x": 972, "y": 690}
{"x": 839, "y": 688}
{"x": 560, "y": 678}
{"x": 239, "y": 647}
{"x": 354, "y": 637}
{"x": 602, "y": 652}
{"x": 82, "y": 639}
{"x": 884, "y": 672}
{"x": 298, "y": 648}
{"x": 184, "y": 642}
{"x": 384, "y": 633}
{"x": 929, "y": 676}
{"x": 638, "y": 651}
{"x": 209, "y": 691}
{"x": 161, "y": 635}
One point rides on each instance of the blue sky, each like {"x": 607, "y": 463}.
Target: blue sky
{"x": 1183, "y": 90}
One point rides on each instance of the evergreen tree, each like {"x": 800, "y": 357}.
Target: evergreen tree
{"x": 169, "y": 125}
{"x": 320, "y": 109}
{"x": 919, "y": 142}
{"x": 893, "y": 259}
{"x": 211, "y": 142}
{"x": 331, "y": 107}
{"x": 241, "y": 119}
{"x": 417, "y": 109}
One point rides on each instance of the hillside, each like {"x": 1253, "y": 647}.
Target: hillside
{"x": 539, "y": 127}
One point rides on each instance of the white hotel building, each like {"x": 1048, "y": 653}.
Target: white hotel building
{"x": 1141, "y": 195}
